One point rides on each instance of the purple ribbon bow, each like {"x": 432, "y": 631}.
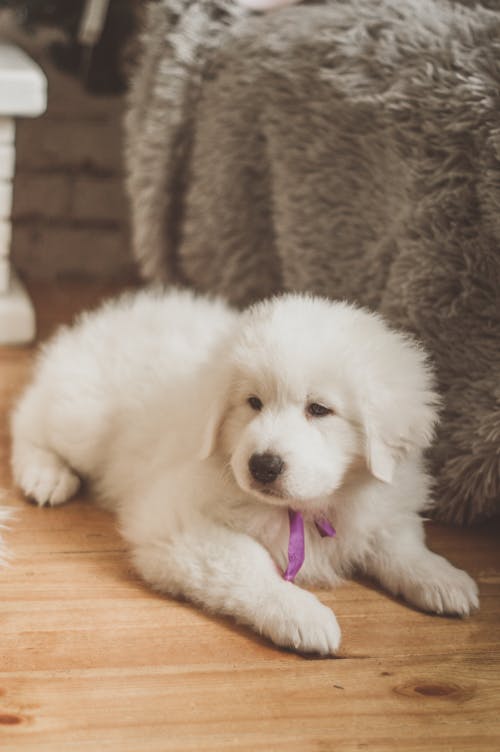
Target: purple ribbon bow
{"x": 296, "y": 541}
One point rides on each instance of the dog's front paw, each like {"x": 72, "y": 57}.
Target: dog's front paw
{"x": 301, "y": 622}
{"x": 444, "y": 589}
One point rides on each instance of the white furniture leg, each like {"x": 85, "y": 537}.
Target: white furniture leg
{"x": 17, "y": 315}
{"x": 23, "y": 92}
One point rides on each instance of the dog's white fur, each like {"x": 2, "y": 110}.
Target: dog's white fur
{"x": 148, "y": 398}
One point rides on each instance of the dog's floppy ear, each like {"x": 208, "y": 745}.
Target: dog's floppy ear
{"x": 397, "y": 420}
{"x": 214, "y": 396}
{"x": 381, "y": 457}
{"x": 213, "y": 423}
{"x": 394, "y": 429}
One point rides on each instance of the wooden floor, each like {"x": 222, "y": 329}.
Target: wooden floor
{"x": 92, "y": 660}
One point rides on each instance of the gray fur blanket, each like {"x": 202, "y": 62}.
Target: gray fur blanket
{"x": 345, "y": 148}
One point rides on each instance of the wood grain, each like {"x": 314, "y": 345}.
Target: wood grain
{"x": 90, "y": 659}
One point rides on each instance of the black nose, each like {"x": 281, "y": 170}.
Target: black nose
{"x": 266, "y": 467}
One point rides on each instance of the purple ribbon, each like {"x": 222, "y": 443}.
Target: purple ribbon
{"x": 296, "y": 541}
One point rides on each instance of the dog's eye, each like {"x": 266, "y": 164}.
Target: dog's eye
{"x": 318, "y": 411}
{"x": 255, "y": 403}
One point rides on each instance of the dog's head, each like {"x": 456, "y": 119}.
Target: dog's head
{"x": 313, "y": 387}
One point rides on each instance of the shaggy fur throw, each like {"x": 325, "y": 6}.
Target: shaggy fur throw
{"x": 346, "y": 148}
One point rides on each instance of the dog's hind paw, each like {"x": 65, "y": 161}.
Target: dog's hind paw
{"x": 46, "y": 479}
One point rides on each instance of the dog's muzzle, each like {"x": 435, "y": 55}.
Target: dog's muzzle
{"x": 265, "y": 468}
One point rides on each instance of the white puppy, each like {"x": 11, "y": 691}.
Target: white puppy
{"x": 202, "y": 427}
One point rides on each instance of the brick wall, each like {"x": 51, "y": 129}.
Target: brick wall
{"x": 70, "y": 214}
